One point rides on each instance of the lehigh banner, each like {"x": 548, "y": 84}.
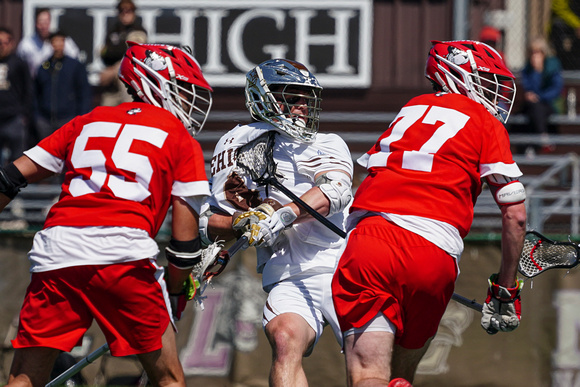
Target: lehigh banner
{"x": 333, "y": 38}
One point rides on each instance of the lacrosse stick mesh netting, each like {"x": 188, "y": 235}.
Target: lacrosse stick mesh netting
{"x": 540, "y": 254}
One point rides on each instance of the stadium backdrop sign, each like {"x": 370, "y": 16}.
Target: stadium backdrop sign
{"x": 331, "y": 37}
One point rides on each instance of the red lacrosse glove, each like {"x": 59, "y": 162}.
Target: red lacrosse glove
{"x": 502, "y": 308}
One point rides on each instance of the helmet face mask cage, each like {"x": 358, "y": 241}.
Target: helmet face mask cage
{"x": 496, "y": 93}
{"x": 191, "y": 103}
{"x": 170, "y": 78}
{"x": 285, "y": 94}
{"x": 482, "y": 77}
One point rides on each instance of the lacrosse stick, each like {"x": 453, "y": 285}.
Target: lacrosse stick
{"x": 256, "y": 158}
{"x": 540, "y": 254}
{"x": 219, "y": 264}
{"x": 467, "y": 302}
{"x": 75, "y": 369}
{"x": 216, "y": 267}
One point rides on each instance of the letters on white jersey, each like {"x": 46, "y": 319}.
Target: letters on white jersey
{"x": 312, "y": 244}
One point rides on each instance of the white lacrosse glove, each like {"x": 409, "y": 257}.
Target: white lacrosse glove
{"x": 269, "y": 229}
{"x": 502, "y": 308}
{"x": 247, "y": 222}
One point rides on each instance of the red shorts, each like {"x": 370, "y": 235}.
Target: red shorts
{"x": 387, "y": 268}
{"x": 125, "y": 299}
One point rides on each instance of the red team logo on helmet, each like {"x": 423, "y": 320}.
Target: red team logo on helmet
{"x": 457, "y": 56}
{"x": 155, "y": 61}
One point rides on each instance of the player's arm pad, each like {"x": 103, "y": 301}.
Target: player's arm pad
{"x": 506, "y": 190}
{"x": 336, "y": 186}
{"x": 184, "y": 255}
{"x": 11, "y": 180}
{"x": 204, "y": 225}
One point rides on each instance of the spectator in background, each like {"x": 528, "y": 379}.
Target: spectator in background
{"x": 61, "y": 88}
{"x": 126, "y": 28}
{"x": 15, "y": 99}
{"x": 542, "y": 83}
{"x": 565, "y": 32}
{"x": 36, "y": 49}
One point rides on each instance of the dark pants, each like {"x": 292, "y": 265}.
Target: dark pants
{"x": 45, "y": 127}
{"x": 12, "y": 139}
{"x": 538, "y": 115}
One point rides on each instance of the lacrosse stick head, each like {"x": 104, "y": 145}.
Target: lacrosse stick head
{"x": 256, "y": 158}
{"x": 285, "y": 94}
{"x": 217, "y": 266}
{"x": 541, "y": 253}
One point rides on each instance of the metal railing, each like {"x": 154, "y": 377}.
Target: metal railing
{"x": 553, "y": 197}
{"x": 546, "y": 201}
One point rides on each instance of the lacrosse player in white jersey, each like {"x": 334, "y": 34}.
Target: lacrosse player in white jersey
{"x": 296, "y": 253}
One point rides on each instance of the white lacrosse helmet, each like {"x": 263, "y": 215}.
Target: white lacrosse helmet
{"x": 475, "y": 70}
{"x": 277, "y": 91}
{"x": 168, "y": 77}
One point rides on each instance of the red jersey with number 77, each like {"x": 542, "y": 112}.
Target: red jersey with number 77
{"x": 122, "y": 165}
{"x": 431, "y": 160}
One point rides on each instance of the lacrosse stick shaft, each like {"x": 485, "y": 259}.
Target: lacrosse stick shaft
{"x": 224, "y": 257}
{"x": 66, "y": 375}
{"x": 467, "y": 302}
{"x": 315, "y": 214}
{"x": 237, "y": 246}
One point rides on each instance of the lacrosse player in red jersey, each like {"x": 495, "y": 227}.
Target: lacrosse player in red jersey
{"x": 95, "y": 258}
{"x": 296, "y": 253}
{"x": 409, "y": 216}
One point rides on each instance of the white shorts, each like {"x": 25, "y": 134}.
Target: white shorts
{"x": 308, "y": 295}
{"x": 379, "y": 323}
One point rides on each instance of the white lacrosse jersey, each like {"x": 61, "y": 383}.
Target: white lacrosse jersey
{"x": 305, "y": 246}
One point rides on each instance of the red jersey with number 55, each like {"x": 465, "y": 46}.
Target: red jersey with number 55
{"x": 122, "y": 165}
{"x": 431, "y": 160}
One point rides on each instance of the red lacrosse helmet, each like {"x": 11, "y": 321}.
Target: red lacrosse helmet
{"x": 475, "y": 70}
{"x": 168, "y": 77}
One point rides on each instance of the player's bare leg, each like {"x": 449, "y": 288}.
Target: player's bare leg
{"x": 368, "y": 358}
{"x": 31, "y": 367}
{"x": 162, "y": 366}
{"x": 406, "y": 361}
{"x": 290, "y": 336}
